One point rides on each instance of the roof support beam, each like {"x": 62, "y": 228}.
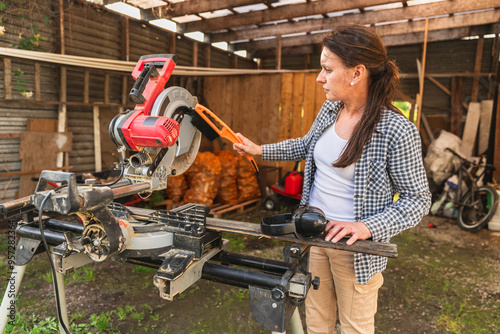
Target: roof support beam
{"x": 372, "y": 17}
{"x": 279, "y": 13}
{"x": 412, "y": 27}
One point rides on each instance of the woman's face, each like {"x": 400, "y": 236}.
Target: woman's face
{"x": 334, "y": 77}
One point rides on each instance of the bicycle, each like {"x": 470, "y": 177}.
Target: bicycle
{"x": 477, "y": 205}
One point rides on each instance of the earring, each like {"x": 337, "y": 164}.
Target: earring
{"x": 352, "y": 83}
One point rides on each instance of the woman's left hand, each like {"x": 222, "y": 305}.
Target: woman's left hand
{"x": 336, "y": 230}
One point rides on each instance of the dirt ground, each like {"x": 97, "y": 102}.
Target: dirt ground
{"x": 444, "y": 280}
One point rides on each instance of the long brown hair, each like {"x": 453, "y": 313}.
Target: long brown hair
{"x": 359, "y": 45}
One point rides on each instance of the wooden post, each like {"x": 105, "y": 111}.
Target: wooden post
{"x": 106, "y": 88}
{"x": 97, "y": 140}
{"x": 62, "y": 115}
{"x": 38, "y": 93}
{"x": 208, "y": 54}
{"x": 195, "y": 54}
{"x": 278, "y": 53}
{"x": 86, "y": 81}
{"x": 495, "y": 59}
{"x": 124, "y": 89}
{"x": 496, "y": 157}
{"x": 61, "y": 26}
{"x": 422, "y": 75}
{"x": 477, "y": 68}
{"x": 172, "y": 42}
{"x": 8, "y": 78}
{"x": 457, "y": 87}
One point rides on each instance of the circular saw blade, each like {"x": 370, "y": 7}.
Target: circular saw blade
{"x": 180, "y": 156}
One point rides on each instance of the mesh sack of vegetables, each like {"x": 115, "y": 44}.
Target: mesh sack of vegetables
{"x": 228, "y": 192}
{"x": 203, "y": 179}
{"x": 176, "y": 187}
{"x": 248, "y": 185}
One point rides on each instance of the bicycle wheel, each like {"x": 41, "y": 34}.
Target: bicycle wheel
{"x": 477, "y": 208}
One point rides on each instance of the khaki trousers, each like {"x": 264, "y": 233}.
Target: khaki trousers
{"x": 356, "y": 304}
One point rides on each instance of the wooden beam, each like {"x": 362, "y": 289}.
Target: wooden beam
{"x": 97, "y": 140}
{"x": 278, "y": 53}
{"x": 200, "y": 6}
{"x": 38, "y": 91}
{"x": 496, "y": 157}
{"x": 495, "y": 59}
{"x": 106, "y": 88}
{"x": 371, "y": 17}
{"x": 422, "y": 76}
{"x": 195, "y": 54}
{"x": 477, "y": 68}
{"x": 7, "y": 65}
{"x": 86, "y": 83}
{"x": 279, "y": 13}
{"x": 457, "y": 88}
{"x": 61, "y": 27}
{"x": 412, "y": 27}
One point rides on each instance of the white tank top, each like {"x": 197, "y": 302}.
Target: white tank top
{"x": 333, "y": 188}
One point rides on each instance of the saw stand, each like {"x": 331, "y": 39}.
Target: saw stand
{"x": 276, "y": 287}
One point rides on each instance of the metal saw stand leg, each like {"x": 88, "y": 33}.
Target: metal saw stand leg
{"x": 9, "y": 299}
{"x": 62, "y": 302}
{"x": 295, "y": 323}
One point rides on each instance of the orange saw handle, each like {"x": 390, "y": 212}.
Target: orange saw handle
{"x": 224, "y": 131}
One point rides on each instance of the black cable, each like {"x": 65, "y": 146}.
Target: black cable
{"x": 53, "y": 269}
{"x": 122, "y": 171}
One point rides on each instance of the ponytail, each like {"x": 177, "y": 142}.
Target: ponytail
{"x": 356, "y": 45}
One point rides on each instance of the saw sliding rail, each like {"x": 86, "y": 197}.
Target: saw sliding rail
{"x": 183, "y": 244}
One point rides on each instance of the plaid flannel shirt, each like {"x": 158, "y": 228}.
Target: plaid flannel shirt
{"x": 391, "y": 163}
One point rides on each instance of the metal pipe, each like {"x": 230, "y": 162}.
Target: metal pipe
{"x": 30, "y": 232}
{"x": 131, "y": 189}
{"x": 239, "y": 277}
{"x": 8, "y": 308}
{"x": 64, "y": 226}
{"x": 248, "y": 261}
{"x": 15, "y": 207}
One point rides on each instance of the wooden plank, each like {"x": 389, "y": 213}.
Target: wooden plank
{"x": 278, "y": 53}
{"x": 421, "y": 77}
{"x": 86, "y": 83}
{"x": 38, "y": 151}
{"x": 7, "y": 65}
{"x": 106, "y": 88}
{"x": 251, "y": 229}
{"x": 36, "y": 171}
{"x": 320, "y": 97}
{"x": 97, "y": 140}
{"x": 297, "y": 104}
{"x": 477, "y": 68}
{"x": 470, "y": 130}
{"x": 309, "y": 102}
{"x": 485, "y": 126}
{"x": 457, "y": 89}
{"x": 41, "y": 125}
{"x": 286, "y": 105}
{"x": 271, "y": 109}
{"x": 38, "y": 91}
{"x": 496, "y": 157}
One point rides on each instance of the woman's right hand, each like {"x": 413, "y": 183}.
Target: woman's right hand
{"x": 247, "y": 146}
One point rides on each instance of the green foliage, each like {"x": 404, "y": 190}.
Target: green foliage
{"x": 30, "y": 42}
{"x": 404, "y": 107}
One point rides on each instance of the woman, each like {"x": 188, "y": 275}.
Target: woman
{"x": 359, "y": 153}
